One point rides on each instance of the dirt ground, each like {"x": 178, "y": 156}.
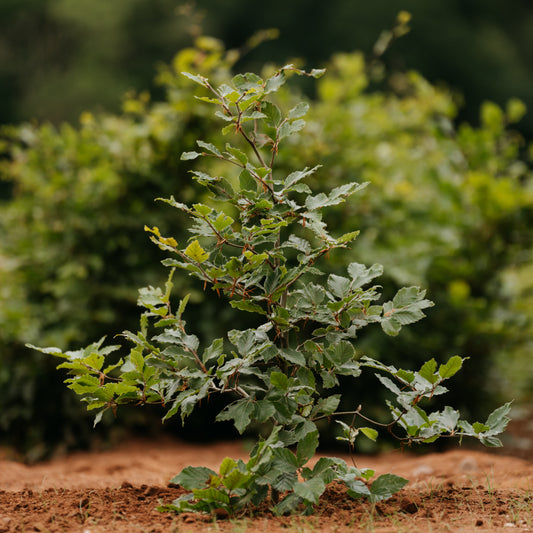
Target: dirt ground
{"x": 118, "y": 490}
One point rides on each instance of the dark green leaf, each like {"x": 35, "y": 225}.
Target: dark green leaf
{"x": 306, "y": 448}
{"x": 386, "y": 486}
{"x": 293, "y": 356}
{"x": 247, "y": 181}
{"x": 310, "y": 490}
{"x": 279, "y": 381}
{"x": 193, "y": 477}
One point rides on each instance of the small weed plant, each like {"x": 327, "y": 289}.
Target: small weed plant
{"x": 258, "y": 241}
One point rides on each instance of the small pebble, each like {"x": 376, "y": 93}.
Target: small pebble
{"x": 423, "y": 470}
{"x": 468, "y": 464}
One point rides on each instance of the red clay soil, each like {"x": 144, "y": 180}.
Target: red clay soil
{"x": 118, "y": 491}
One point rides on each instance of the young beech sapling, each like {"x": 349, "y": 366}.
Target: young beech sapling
{"x": 257, "y": 242}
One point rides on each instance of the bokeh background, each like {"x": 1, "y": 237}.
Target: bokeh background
{"x": 94, "y": 116}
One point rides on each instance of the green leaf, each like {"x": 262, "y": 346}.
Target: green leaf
{"x": 273, "y": 114}
{"x": 214, "y": 351}
{"x": 211, "y": 495}
{"x": 240, "y": 412}
{"x": 386, "y": 486}
{"x": 491, "y": 442}
{"x": 347, "y": 237}
{"x": 279, "y": 381}
{"x": 453, "y": 365}
{"x": 245, "y": 82}
{"x": 247, "y": 181}
{"x": 209, "y": 147}
{"x": 310, "y": 490}
{"x": 202, "y": 209}
{"x": 293, "y": 356}
{"x": 275, "y": 82}
{"x": 226, "y": 466}
{"x": 327, "y": 406}
{"x": 428, "y": 371}
{"x": 307, "y": 447}
{"x": 361, "y": 275}
{"x": 137, "y": 358}
{"x": 391, "y": 326}
{"x": 357, "y": 489}
{"x": 193, "y": 477}
{"x": 246, "y": 305}
{"x": 222, "y": 222}
{"x": 237, "y": 154}
{"x": 236, "y": 479}
{"x": 448, "y": 418}
{"x": 264, "y": 409}
{"x": 288, "y": 128}
{"x": 198, "y": 79}
{"x": 196, "y": 252}
{"x": 372, "y": 434}
{"x": 298, "y": 111}
{"x": 185, "y": 156}
{"x": 317, "y": 72}
{"x": 498, "y": 419}
{"x": 295, "y": 177}
{"x": 339, "y": 285}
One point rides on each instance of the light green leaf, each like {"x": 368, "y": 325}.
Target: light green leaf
{"x": 196, "y": 252}
{"x": 498, "y": 419}
{"x": 372, "y": 434}
{"x": 361, "y": 274}
{"x": 237, "y": 154}
{"x": 202, "y": 209}
{"x": 222, "y": 222}
{"x": 198, "y": 79}
{"x": 288, "y": 128}
{"x": 185, "y": 156}
{"x": 295, "y": 177}
{"x": 347, "y": 237}
{"x": 298, "y": 111}
{"x": 428, "y": 371}
{"x": 209, "y": 147}
{"x": 317, "y": 72}
{"x": 226, "y": 466}
{"x": 275, "y": 82}
{"x": 453, "y": 365}
{"x": 339, "y": 285}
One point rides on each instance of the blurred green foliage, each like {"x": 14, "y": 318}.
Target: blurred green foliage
{"x": 449, "y": 208}
{"x": 58, "y": 57}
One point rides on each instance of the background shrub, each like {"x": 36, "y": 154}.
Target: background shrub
{"x": 448, "y": 209}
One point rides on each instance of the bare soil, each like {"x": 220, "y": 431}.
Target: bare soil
{"x": 118, "y": 490}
